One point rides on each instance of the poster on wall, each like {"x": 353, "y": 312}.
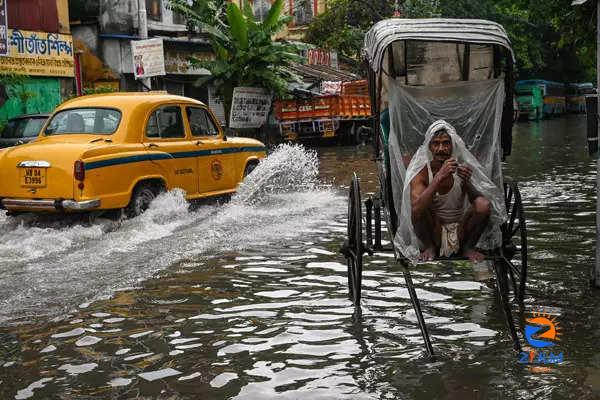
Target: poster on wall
{"x": 249, "y": 108}
{"x": 3, "y": 29}
{"x": 38, "y": 54}
{"x": 148, "y": 58}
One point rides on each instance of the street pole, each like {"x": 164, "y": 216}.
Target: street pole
{"x": 143, "y": 33}
{"x": 597, "y": 266}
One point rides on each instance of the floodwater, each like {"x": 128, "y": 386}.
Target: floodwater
{"x": 248, "y": 299}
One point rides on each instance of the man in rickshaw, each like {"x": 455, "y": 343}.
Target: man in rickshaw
{"x": 449, "y": 213}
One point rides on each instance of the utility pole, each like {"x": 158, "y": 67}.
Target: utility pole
{"x": 597, "y": 265}
{"x": 596, "y": 276}
{"x": 143, "y": 33}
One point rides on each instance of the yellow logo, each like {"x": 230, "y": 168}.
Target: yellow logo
{"x": 216, "y": 169}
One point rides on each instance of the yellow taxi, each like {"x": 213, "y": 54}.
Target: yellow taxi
{"x": 119, "y": 150}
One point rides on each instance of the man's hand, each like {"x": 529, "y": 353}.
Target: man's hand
{"x": 448, "y": 168}
{"x": 464, "y": 172}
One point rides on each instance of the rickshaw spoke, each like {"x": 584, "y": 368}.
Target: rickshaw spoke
{"x": 354, "y": 248}
{"x": 515, "y": 230}
{"x": 502, "y": 291}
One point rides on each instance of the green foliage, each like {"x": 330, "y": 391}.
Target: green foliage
{"x": 552, "y": 39}
{"x": 16, "y": 87}
{"x": 343, "y": 26}
{"x": 245, "y": 53}
{"x": 98, "y": 90}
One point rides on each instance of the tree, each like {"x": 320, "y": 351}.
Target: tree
{"x": 245, "y": 53}
{"x": 343, "y": 26}
{"x": 551, "y": 39}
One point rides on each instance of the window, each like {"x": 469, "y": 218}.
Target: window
{"x": 154, "y": 10}
{"x": 261, "y": 9}
{"x": 165, "y": 123}
{"x": 201, "y": 123}
{"x": 303, "y": 12}
{"x": 96, "y": 121}
{"x": 23, "y": 127}
{"x": 179, "y": 18}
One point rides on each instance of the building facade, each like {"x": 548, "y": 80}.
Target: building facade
{"x": 37, "y": 73}
{"x": 302, "y": 12}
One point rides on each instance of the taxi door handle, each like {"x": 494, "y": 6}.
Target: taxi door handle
{"x": 199, "y": 142}
{"x": 150, "y": 145}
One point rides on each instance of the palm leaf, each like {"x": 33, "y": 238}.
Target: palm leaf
{"x": 273, "y": 15}
{"x": 237, "y": 25}
{"x": 248, "y": 11}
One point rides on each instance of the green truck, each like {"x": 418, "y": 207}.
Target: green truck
{"x": 530, "y": 100}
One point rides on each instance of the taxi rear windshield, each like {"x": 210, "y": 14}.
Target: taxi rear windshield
{"x": 95, "y": 121}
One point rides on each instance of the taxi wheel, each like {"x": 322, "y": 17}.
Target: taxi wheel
{"x": 140, "y": 199}
{"x": 249, "y": 168}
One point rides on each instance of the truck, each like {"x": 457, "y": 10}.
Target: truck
{"x": 530, "y": 101}
{"x": 341, "y": 115}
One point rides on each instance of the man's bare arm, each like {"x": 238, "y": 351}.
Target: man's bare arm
{"x": 465, "y": 173}
{"x": 421, "y": 194}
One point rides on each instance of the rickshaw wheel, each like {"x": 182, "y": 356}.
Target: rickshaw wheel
{"x": 514, "y": 240}
{"x": 355, "y": 246}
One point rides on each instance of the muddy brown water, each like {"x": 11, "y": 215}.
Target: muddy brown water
{"x": 248, "y": 300}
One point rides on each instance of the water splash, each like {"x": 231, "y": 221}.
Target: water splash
{"x": 50, "y": 267}
{"x": 290, "y": 167}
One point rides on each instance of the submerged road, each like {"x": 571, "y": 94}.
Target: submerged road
{"x": 249, "y": 300}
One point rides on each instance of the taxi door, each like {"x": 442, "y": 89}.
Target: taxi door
{"x": 216, "y": 163}
{"x": 165, "y": 138}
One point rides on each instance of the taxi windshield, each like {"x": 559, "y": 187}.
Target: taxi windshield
{"x": 95, "y": 121}
{"x": 23, "y": 128}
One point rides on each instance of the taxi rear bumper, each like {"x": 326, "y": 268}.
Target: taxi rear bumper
{"x": 49, "y": 205}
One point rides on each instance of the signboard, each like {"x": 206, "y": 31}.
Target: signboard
{"x": 249, "y": 108}
{"x": 148, "y": 58}
{"x": 38, "y": 54}
{"x": 3, "y": 29}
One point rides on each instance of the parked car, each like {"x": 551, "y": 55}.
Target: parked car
{"x": 119, "y": 151}
{"x": 22, "y": 129}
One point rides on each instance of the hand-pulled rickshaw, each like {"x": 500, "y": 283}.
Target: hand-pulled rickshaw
{"x": 421, "y": 71}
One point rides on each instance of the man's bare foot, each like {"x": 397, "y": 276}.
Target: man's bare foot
{"x": 428, "y": 254}
{"x": 473, "y": 255}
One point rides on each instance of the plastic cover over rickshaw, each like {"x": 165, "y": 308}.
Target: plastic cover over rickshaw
{"x": 422, "y": 71}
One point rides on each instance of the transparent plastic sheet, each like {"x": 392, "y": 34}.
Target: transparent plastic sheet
{"x": 473, "y": 111}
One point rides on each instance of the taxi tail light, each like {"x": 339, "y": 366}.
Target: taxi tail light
{"x": 79, "y": 170}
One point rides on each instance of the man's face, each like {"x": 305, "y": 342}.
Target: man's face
{"x": 441, "y": 146}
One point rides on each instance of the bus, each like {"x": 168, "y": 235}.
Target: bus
{"x": 576, "y": 93}
{"x": 552, "y": 102}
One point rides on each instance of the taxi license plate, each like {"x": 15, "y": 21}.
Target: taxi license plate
{"x": 329, "y": 134}
{"x": 33, "y": 177}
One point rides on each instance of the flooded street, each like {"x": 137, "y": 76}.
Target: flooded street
{"x": 248, "y": 300}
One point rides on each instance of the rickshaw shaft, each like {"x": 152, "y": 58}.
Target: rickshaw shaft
{"x": 377, "y": 209}
{"x": 369, "y": 226}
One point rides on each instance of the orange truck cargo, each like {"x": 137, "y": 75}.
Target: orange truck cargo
{"x": 327, "y": 116}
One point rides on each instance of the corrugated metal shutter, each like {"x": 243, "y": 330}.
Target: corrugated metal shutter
{"x": 33, "y": 15}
